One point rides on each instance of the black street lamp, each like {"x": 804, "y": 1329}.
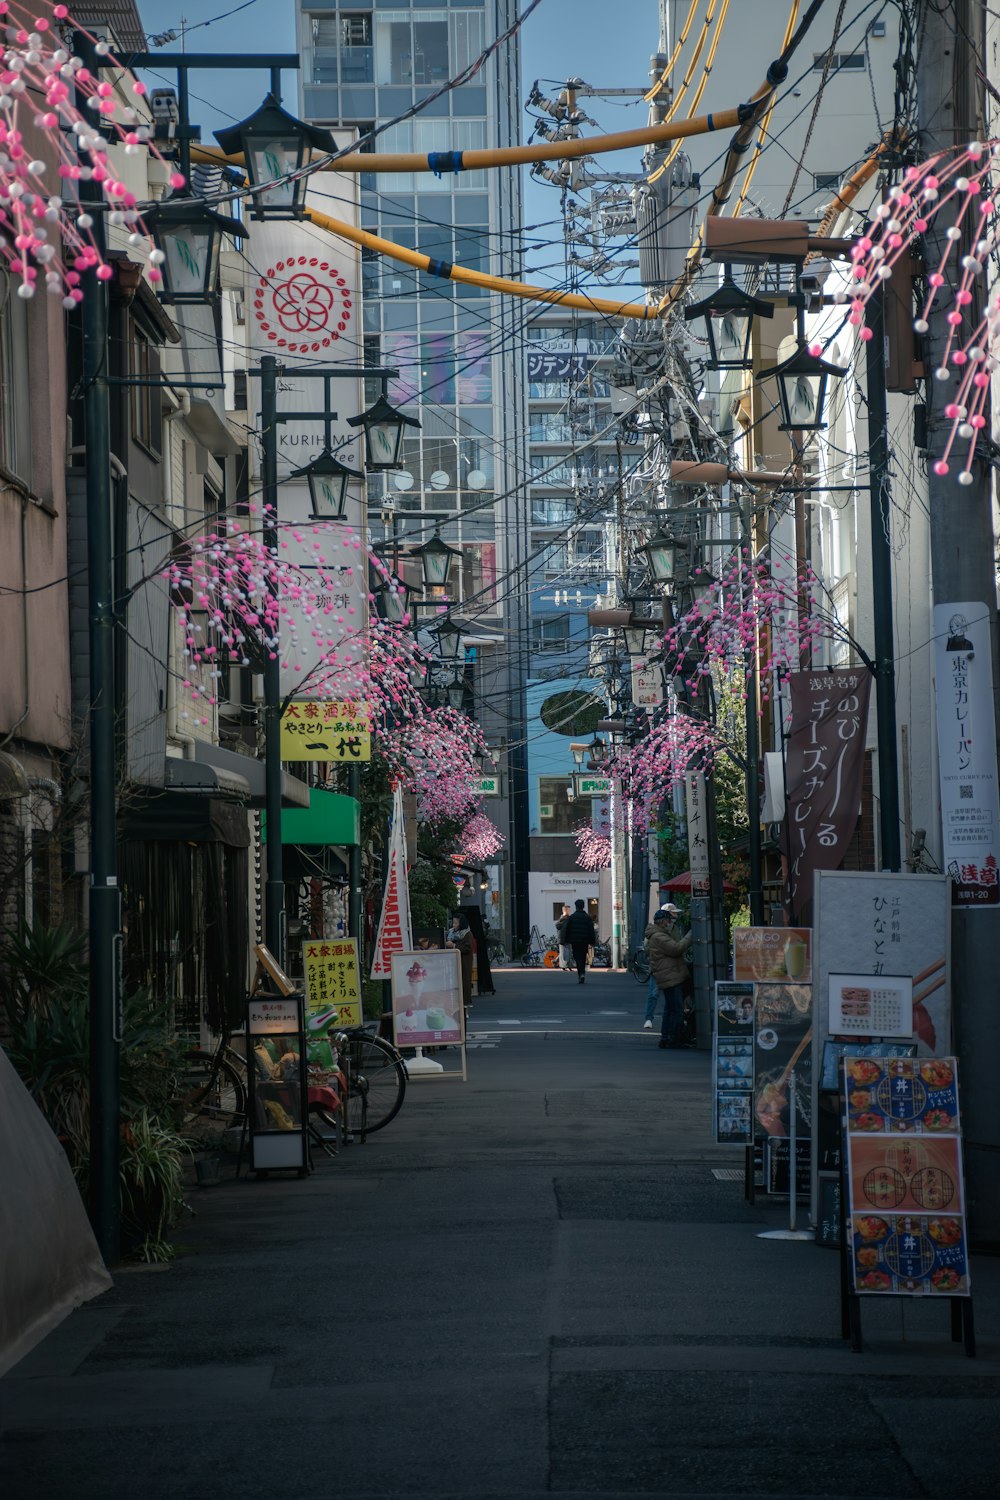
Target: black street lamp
{"x": 449, "y": 639}
{"x": 662, "y": 553}
{"x": 328, "y": 480}
{"x": 728, "y": 314}
{"x": 455, "y": 692}
{"x": 802, "y": 381}
{"x": 188, "y": 236}
{"x": 436, "y": 558}
{"x": 384, "y": 427}
{"x": 392, "y": 600}
{"x": 636, "y": 636}
{"x": 275, "y": 145}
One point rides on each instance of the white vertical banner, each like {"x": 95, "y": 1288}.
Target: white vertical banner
{"x": 395, "y": 934}
{"x": 967, "y": 753}
{"x": 697, "y": 830}
{"x": 304, "y": 309}
{"x": 647, "y": 685}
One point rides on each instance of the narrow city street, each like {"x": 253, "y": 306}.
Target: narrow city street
{"x": 543, "y": 1281}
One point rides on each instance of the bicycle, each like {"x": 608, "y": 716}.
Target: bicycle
{"x": 638, "y": 966}
{"x": 496, "y": 952}
{"x": 602, "y": 953}
{"x": 376, "y": 1081}
{"x": 212, "y": 1088}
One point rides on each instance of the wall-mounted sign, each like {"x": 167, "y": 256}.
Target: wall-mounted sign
{"x": 557, "y": 365}
{"x": 862, "y": 1005}
{"x": 647, "y": 685}
{"x": 592, "y": 786}
{"x": 487, "y": 786}
{"x": 967, "y": 753}
{"x": 325, "y": 731}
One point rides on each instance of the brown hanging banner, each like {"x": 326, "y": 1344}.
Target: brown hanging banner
{"x": 824, "y": 767}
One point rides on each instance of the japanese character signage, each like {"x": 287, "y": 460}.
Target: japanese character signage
{"x": 326, "y": 731}
{"x": 647, "y": 685}
{"x": 967, "y": 753}
{"x": 863, "y": 1005}
{"x": 697, "y": 826}
{"x": 557, "y": 365}
{"x": 333, "y": 985}
{"x": 486, "y": 786}
{"x": 906, "y": 1226}
{"x": 394, "y": 931}
{"x": 825, "y": 764}
{"x": 733, "y": 1061}
{"x": 592, "y": 786}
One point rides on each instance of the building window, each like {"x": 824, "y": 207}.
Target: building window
{"x": 550, "y": 633}
{"x": 556, "y": 813}
{"x": 144, "y": 365}
{"x": 15, "y": 444}
{"x": 840, "y": 62}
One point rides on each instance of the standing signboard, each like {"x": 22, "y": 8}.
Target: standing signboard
{"x": 333, "y": 985}
{"x": 428, "y": 1007}
{"x": 885, "y": 928}
{"x": 782, "y": 1080}
{"x": 278, "y": 1113}
{"x": 905, "y": 1196}
{"x": 732, "y": 1063}
{"x": 967, "y": 753}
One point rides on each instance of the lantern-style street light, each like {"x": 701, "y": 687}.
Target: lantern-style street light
{"x": 579, "y": 754}
{"x": 728, "y": 314}
{"x": 188, "y": 235}
{"x": 328, "y": 479}
{"x": 449, "y": 639}
{"x": 802, "y": 383}
{"x": 436, "y": 558}
{"x": 384, "y": 427}
{"x": 455, "y": 692}
{"x": 636, "y": 636}
{"x": 392, "y": 600}
{"x": 275, "y": 145}
{"x": 662, "y": 553}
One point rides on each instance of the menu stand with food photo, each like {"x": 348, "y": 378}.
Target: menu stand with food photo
{"x": 428, "y": 1008}
{"x": 903, "y": 1184}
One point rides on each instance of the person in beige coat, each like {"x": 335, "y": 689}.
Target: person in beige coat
{"x": 667, "y": 948}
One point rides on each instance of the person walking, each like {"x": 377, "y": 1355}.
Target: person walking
{"x": 666, "y": 957}
{"x": 581, "y": 935}
{"x": 564, "y": 950}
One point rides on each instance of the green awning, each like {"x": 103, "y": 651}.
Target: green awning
{"x": 330, "y": 818}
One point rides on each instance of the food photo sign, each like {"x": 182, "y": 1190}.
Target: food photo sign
{"x": 906, "y": 1205}
{"x": 772, "y": 953}
{"x": 427, "y": 1009}
{"x": 733, "y": 1063}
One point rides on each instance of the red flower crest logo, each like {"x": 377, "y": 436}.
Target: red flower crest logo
{"x": 302, "y": 304}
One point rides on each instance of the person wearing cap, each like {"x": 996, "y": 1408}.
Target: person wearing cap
{"x": 653, "y": 993}
{"x": 666, "y": 959}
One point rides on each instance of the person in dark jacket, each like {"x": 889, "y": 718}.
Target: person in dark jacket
{"x": 667, "y": 948}
{"x": 581, "y": 935}
{"x": 460, "y": 938}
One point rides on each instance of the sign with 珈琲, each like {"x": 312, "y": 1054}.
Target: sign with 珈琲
{"x": 325, "y": 731}
{"x": 333, "y": 984}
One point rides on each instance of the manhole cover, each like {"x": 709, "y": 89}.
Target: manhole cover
{"x": 728, "y": 1174}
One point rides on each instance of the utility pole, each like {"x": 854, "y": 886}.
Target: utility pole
{"x": 274, "y": 888}
{"x": 962, "y": 568}
{"x": 755, "y": 892}
{"x": 104, "y": 913}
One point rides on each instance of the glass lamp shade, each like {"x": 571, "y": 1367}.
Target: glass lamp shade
{"x": 436, "y": 558}
{"x": 802, "y": 382}
{"x": 635, "y": 639}
{"x": 189, "y": 235}
{"x": 662, "y": 552}
{"x": 578, "y": 753}
{"x": 449, "y": 640}
{"x": 328, "y": 479}
{"x": 728, "y": 315}
{"x": 455, "y": 692}
{"x": 384, "y": 427}
{"x": 392, "y": 600}
{"x": 275, "y": 144}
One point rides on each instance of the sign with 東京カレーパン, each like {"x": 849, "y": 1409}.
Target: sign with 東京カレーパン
{"x": 325, "y": 731}
{"x": 593, "y": 786}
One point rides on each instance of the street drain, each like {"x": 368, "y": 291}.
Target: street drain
{"x": 728, "y": 1174}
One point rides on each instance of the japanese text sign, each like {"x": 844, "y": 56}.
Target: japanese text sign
{"x": 825, "y": 764}
{"x": 967, "y": 753}
{"x": 862, "y": 1005}
{"x": 326, "y": 731}
{"x": 333, "y": 984}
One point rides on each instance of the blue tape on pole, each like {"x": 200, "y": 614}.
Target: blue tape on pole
{"x": 444, "y": 161}
{"x": 440, "y": 268}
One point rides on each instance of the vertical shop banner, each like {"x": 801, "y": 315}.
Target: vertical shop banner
{"x": 697, "y": 829}
{"x": 906, "y": 1224}
{"x": 647, "y": 685}
{"x": 782, "y": 1077}
{"x": 824, "y": 768}
{"x": 394, "y": 931}
{"x": 967, "y": 753}
{"x": 733, "y": 1063}
{"x": 304, "y": 310}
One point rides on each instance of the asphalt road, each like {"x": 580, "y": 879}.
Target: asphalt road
{"x": 541, "y": 1281}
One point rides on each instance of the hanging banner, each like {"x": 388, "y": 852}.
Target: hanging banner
{"x": 697, "y": 831}
{"x": 394, "y": 931}
{"x": 967, "y": 753}
{"x": 824, "y": 768}
{"x": 647, "y": 685}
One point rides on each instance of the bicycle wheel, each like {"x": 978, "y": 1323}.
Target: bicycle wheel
{"x": 639, "y": 968}
{"x": 212, "y": 1093}
{"x": 377, "y": 1072}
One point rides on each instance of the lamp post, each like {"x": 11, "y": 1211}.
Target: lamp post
{"x": 436, "y": 559}
{"x": 275, "y": 145}
{"x": 728, "y": 314}
{"x": 271, "y": 419}
{"x": 328, "y": 479}
{"x": 188, "y": 235}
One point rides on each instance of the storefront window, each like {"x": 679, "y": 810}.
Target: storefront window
{"x": 556, "y": 814}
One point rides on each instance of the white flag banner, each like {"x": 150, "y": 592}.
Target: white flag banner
{"x": 967, "y": 753}
{"x": 395, "y": 934}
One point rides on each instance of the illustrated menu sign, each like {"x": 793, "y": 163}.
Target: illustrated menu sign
{"x": 906, "y": 1208}
{"x": 427, "y": 1008}
{"x": 733, "y": 1063}
{"x": 333, "y": 985}
{"x": 861, "y": 1005}
{"x": 782, "y": 1075}
{"x": 325, "y": 731}
{"x": 967, "y": 753}
{"x": 772, "y": 953}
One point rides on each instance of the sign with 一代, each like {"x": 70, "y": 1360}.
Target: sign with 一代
{"x": 906, "y": 1225}
{"x": 865, "y": 1005}
{"x": 325, "y": 731}
{"x": 333, "y": 984}
{"x": 967, "y": 753}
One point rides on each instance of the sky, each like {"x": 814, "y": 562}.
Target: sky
{"x": 561, "y": 39}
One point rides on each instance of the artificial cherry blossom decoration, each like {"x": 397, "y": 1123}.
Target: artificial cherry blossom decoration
{"x": 956, "y": 183}
{"x": 480, "y": 839}
{"x": 593, "y": 846}
{"x": 49, "y": 145}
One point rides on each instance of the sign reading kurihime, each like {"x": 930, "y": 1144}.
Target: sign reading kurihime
{"x": 326, "y": 731}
